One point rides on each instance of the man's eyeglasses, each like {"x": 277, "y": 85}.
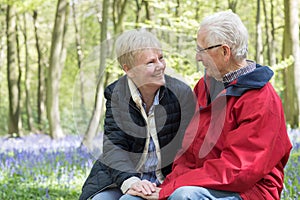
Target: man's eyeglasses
{"x": 199, "y": 50}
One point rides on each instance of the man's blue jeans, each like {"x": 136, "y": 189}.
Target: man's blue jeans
{"x": 195, "y": 193}
{"x": 182, "y": 193}
{"x": 200, "y": 193}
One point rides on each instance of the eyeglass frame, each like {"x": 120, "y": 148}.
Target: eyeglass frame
{"x": 211, "y": 47}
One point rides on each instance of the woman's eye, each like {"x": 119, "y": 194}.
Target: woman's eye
{"x": 149, "y": 64}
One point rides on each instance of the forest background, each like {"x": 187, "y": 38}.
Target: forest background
{"x": 56, "y": 57}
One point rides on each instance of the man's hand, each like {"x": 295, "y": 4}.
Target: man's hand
{"x": 153, "y": 196}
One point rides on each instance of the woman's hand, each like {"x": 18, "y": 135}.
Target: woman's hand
{"x": 144, "y": 186}
{"x": 153, "y": 196}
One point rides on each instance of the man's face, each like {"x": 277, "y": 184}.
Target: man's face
{"x": 210, "y": 58}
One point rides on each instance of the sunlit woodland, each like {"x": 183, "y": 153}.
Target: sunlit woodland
{"x": 57, "y": 56}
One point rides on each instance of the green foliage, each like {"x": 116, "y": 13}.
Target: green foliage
{"x": 278, "y": 71}
{"x": 174, "y": 24}
{"x": 284, "y": 64}
{"x": 16, "y": 188}
{"x": 292, "y": 179}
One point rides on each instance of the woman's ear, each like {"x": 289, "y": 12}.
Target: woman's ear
{"x": 125, "y": 68}
{"x": 128, "y": 71}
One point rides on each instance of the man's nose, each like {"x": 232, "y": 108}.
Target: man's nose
{"x": 198, "y": 57}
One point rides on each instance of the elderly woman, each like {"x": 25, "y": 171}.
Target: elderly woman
{"x": 146, "y": 115}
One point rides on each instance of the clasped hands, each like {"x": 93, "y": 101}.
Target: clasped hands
{"x": 144, "y": 189}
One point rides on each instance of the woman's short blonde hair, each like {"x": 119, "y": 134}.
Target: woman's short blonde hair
{"x": 131, "y": 43}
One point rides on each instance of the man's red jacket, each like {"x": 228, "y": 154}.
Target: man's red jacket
{"x": 237, "y": 143}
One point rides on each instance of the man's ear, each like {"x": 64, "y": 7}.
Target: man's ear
{"x": 226, "y": 52}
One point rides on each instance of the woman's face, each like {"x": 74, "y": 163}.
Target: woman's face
{"x": 148, "y": 70}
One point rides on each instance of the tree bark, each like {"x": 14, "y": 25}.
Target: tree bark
{"x": 12, "y": 73}
{"x": 41, "y": 94}
{"x": 20, "y": 124}
{"x": 138, "y": 12}
{"x": 259, "y": 45}
{"x": 296, "y": 54}
{"x": 27, "y": 79}
{"x": 79, "y": 56}
{"x": 95, "y": 119}
{"x": 118, "y": 15}
{"x": 272, "y": 39}
{"x": 290, "y": 100}
{"x": 56, "y": 64}
{"x": 268, "y": 39}
{"x": 232, "y": 5}
{"x": 147, "y": 9}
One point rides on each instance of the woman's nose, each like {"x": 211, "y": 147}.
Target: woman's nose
{"x": 159, "y": 64}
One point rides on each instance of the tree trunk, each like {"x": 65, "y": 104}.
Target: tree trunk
{"x": 138, "y": 12}
{"x": 147, "y": 9}
{"x": 12, "y": 73}
{"x": 232, "y": 5}
{"x": 56, "y": 64}
{"x": 79, "y": 57}
{"x": 268, "y": 38}
{"x": 41, "y": 96}
{"x": 20, "y": 124}
{"x": 290, "y": 100}
{"x": 118, "y": 15}
{"x": 272, "y": 39}
{"x": 95, "y": 119}
{"x": 259, "y": 45}
{"x": 296, "y": 54}
{"x": 27, "y": 80}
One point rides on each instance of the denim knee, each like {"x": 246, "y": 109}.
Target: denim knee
{"x": 130, "y": 197}
{"x": 182, "y": 193}
{"x": 200, "y": 193}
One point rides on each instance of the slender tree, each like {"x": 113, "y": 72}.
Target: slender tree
{"x": 232, "y": 4}
{"x": 296, "y": 53}
{"x": 259, "y": 43}
{"x": 79, "y": 54}
{"x": 139, "y": 5}
{"x": 91, "y": 131}
{"x": 17, "y": 28}
{"x": 289, "y": 39}
{"x": 41, "y": 94}
{"x": 56, "y": 64}
{"x": 147, "y": 9}
{"x": 118, "y": 14}
{"x": 267, "y": 33}
{"x": 27, "y": 78}
{"x": 138, "y": 12}
{"x": 12, "y": 72}
{"x": 272, "y": 36}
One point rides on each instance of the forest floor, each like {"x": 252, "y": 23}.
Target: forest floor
{"x": 36, "y": 167}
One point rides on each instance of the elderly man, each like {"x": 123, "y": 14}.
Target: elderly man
{"x": 236, "y": 145}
